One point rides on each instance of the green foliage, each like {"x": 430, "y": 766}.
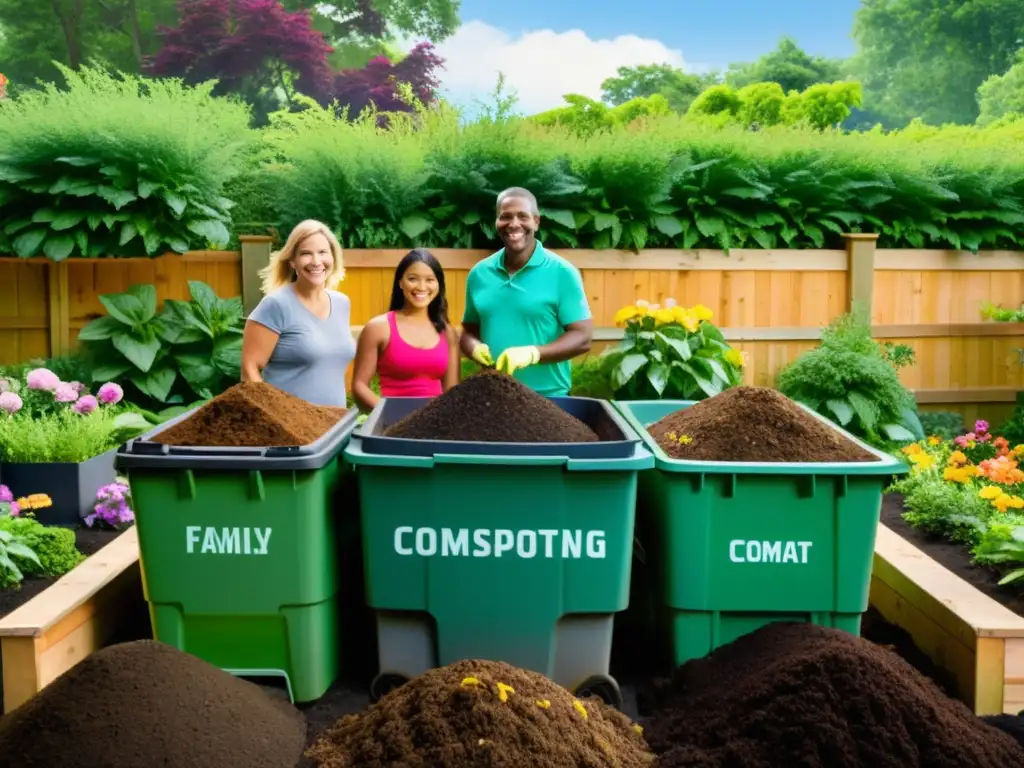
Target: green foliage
{"x": 116, "y": 166}
{"x": 1013, "y": 428}
{"x": 789, "y": 66}
{"x": 943, "y": 424}
{"x": 850, "y": 379}
{"x": 68, "y": 368}
{"x": 1002, "y": 96}
{"x": 677, "y": 87}
{"x": 185, "y": 350}
{"x": 54, "y": 547}
{"x": 15, "y": 555}
{"x": 677, "y": 182}
{"x": 63, "y": 436}
{"x": 671, "y": 354}
{"x": 946, "y": 509}
{"x": 927, "y": 58}
{"x": 821, "y": 106}
{"x": 592, "y": 376}
{"x": 585, "y": 116}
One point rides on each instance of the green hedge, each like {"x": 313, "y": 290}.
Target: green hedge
{"x": 122, "y": 166}
{"x": 661, "y": 182}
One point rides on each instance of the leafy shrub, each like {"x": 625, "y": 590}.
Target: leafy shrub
{"x": 944, "y": 424}
{"x": 944, "y": 508}
{"x": 671, "y": 352}
{"x": 63, "y": 436}
{"x": 116, "y": 166}
{"x": 659, "y": 182}
{"x": 850, "y": 379}
{"x": 54, "y": 547}
{"x": 186, "y": 350}
{"x": 1013, "y": 427}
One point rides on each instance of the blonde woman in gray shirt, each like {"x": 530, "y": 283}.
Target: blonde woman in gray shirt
{"x": 298, "y": 338}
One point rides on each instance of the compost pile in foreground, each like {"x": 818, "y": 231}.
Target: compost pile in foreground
{"x": 253, "y": 414}
{"x": 492, "y": 407}
{"x": 147, "y": 704}
{"x": 752, "y": 424}
{"x": 809, "y": 696}
{"x": 483, "y": 713}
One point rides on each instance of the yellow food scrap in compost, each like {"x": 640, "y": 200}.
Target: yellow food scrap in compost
{"x": 468, "y": 681}
{"x": 481, "y": 742}
{"x": 639, "y": 729}
{"x": 544, "y": 704}
{"x": 504, "y": 691}
{"x": 580, "y": 708}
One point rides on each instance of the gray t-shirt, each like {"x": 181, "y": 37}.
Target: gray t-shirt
{"x": 311, "y": 355}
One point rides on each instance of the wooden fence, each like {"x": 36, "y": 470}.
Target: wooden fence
{"x": 770, "y": 304}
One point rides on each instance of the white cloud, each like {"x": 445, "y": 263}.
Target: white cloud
{"x": 540, "y": 65}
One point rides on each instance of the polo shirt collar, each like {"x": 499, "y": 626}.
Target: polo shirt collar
{"x": 539, "y": 257}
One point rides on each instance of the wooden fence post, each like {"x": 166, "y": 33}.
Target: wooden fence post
{"x": 59, "y": 310}
{"x": 255, "y": 256}
{"x": 860, "y": 269}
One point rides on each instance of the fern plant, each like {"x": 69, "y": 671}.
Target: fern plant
{"x": 852, "y": 380}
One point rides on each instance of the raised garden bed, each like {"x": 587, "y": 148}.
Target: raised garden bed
{"x": 954, "y": 610}
{"x": 49, "y": 625}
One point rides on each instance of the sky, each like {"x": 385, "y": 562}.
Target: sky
{"x": 547, "y": 48}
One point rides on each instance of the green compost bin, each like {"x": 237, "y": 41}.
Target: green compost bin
{"x": 732, "y": 546}
{"x": 510, "y": 552}
{"x": 239, "y": 553}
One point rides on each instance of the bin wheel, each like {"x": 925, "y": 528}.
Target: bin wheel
{"x": 385, "y": 682}
{"x": 602, "y": 686}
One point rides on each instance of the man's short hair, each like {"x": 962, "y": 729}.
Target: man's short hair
{"x": 522, "y": 194}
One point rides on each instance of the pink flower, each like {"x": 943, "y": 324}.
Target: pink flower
{"x": 10, "y": 402}
{"x": 15, "y": 509}
{"x": 110, "y": 393}
{"x": 85, "y": 404}
{"x": 79, "y": 387}
{"x": 981, "y": 426}
{"x": 5, "y": 494}
{"x": 42, "y": 378}
{"x": 65, "y": 393}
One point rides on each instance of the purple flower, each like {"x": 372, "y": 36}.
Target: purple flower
{"x": 5, "y": 494}
{"x": 42, "y": 378}
{"x": 10, "y": 402}
{"x": 110, "y": 393}
{"x": 981, "y": 426}
{"x": 85, "y": 404}
{"x": 111, "y": 506}
{"x": 65, "y": 393}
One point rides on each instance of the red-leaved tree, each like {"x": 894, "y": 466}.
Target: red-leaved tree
{"x": 252, "y": 47}
{"x": 247, "y": 45}
{"x": 377, "y": 82}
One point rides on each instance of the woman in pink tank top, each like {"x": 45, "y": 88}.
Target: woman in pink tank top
{"x": 413, "y": 348}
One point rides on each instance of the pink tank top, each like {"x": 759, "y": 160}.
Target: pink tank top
{"x": 408, "y": 371}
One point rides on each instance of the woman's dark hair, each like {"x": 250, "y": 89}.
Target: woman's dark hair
{"x": 437, "y": 311}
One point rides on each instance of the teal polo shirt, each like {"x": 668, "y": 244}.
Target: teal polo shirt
{"x": 530, "y": 308}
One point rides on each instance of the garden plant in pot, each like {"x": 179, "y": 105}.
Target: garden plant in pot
{"x": 58, "y": 438}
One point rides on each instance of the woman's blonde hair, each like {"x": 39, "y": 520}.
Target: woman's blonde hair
{"x": 278, "y": 272}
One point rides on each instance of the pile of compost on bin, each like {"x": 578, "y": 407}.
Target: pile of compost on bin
{"x": 492, "y": 407}
{"x": 147, "y": 704}
{"x": 809, "y": 696}
{"x": 253, "y": 414}
{"x": 752, "y": 424}
{"x": 483, "y": 713}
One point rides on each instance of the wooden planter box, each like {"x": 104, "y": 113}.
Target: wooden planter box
{"x": 967, "y": 633}
{"x": 80, "y": 613}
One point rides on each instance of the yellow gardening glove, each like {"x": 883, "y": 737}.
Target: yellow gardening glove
{"x": 482, "y": 354}
{"x": 516, "y": 358}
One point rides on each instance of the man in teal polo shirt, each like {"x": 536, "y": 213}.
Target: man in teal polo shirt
{"x": 526, "y": 303}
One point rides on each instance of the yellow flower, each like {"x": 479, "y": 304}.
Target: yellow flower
{"x": 912, "y": 449}
{"x": 733, "y": 357}
{"x": 625, "y": 314}
{"x": 35, "y": 501}
{"x": 934, "y": 440}
{"x": 990, "y": 492}
{"x": 642, "y": 307}
{"x": 956, "y": 457}
{"x": 922, "y": 461}
{"x": 960, "y": 474}
{"x": 686, "y": 318}
{"x": 702, "y": 313}
{"x": 664, "y": 316}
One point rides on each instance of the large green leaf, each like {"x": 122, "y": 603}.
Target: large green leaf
{"x": 100, "y": 329}
{"x": 414, "y": 225}
{"x": 559, "y": 216}
{"x": 627, "y": 369}
{"x": 109, "y": 371}
{"x": 897, "y": 433}
{"x": 842, "y": 410}
{"x": 140, "y": 352}
{"x": 27, "y": 244}
{"x": 211, "y": 230}
{"x": 58, "y": 247}
{"x": 667, "y": 225}
{"x": 67, "y": 220}
{"x": 156, "y": 383}
{"x": 680, "y": 346}
{"x": 657, "y": 375}
{"x": 227, "y": 355}
{"x": 203, "y": 295}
